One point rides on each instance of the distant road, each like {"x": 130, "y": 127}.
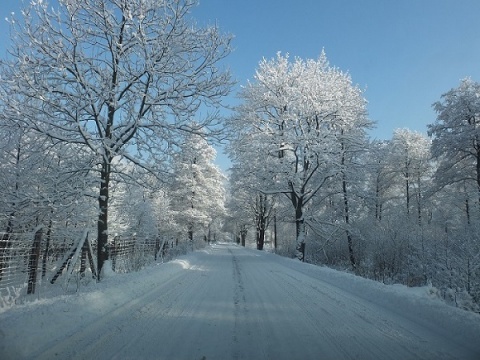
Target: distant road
{"x": 227, "y": 302}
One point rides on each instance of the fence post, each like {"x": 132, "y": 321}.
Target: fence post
{"x": 47, "y": 248}
{"x": 87, "y": 253}
{"x": 90, "y": 259}
{"x": 33, "y": 261}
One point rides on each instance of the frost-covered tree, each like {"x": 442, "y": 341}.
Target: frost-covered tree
{"x": 380, "y": 178}
{"x": 42, "y": 183}
{"x": 353, "y": 144}
{"x": 249, "y": 206}
{"x": 141, "y": 220}
{"x": 197, "y": 190}
{"x": 238, "y": 220}
{"x": 456, "y": 148}
{"x": 21, "y": 156}
{"x": 290, "y": 120}
{"x": 133, "y": 211}
{"x": 120, "y": 77}
{"x": 41, "y": 180}
{"x": 410, "y": 158}
{"x": 456, "y": 136}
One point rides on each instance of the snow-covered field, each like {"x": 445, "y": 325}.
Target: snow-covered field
{"x": 227, "y": 302}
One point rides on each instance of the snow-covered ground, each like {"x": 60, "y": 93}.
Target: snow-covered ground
{"x": 227, "y": 302}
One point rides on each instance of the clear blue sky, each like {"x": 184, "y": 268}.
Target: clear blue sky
{"x": 405, "y": 53}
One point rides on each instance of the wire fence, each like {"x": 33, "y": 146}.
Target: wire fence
{"x": 36, "y": 263}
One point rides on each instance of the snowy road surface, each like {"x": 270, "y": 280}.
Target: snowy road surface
{"x": 227, "y": 302}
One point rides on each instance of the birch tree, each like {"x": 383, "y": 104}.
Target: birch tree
{"x": 120, "y": 77}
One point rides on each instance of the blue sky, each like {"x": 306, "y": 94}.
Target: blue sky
{"x": 404, "y": 53}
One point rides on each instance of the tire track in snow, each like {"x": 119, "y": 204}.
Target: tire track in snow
{"x": 97, "y": 334}
{"x": 351, "y": 327}
{"x": 242, "y": 334}
{"x": 138, "y": 314}
{"x": 197, "y": 323}
{"x": 238, "y": 299}
{"x": 340, "y": 334}
{"x": 229, "y": 302}
{"x": 293, "y": 315}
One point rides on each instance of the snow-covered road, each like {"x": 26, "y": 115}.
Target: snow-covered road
{"x": 227, "y": 302}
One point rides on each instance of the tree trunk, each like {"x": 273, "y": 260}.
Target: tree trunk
{"x": 260, "y": 219}
{"x": 347, "y": 223}
{"x": 83, "y": 258}
{"x": 102, "y": 225}
{"x": 190, "y": 236}
{"x": 419, "y": 199}
{"x": 407, "y": 188}
{"x": 378, "y": 204}
{"x": 47, "y": 248}
{"x": 300, "y": 231}
{"x": 467, "y": 210}
{"x": 275, "y": 232}
{"x": 243, "y": 235}
{"x": 33, "y": 261}
{"x": 260, "y": 237}
{"x": 346, "y": 212}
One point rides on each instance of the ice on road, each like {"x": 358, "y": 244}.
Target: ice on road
{"x": 227, "y": 302}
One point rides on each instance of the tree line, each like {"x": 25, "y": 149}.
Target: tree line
{"x": 404, "y": 210}
{"x": 100, "y": 102}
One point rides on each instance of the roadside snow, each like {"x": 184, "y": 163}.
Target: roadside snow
{"x": 418, "y": 304}
{"x": 230, "y": 302}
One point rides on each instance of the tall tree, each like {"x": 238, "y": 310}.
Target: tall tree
{"x": 353, "y": 143}
{"x": 120, "y": 77}
{"x": 247, "y": 203}
{"x": 381, "y": 175}
{"x": 239, "y": 218}
{"x": 410, "y": 156}
{"x": 197, "y": 193}
{"x": 291, "y": 119}
{"x": 456, "y": 135}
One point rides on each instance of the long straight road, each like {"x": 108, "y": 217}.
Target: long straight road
{"x": 227, "y": 302}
